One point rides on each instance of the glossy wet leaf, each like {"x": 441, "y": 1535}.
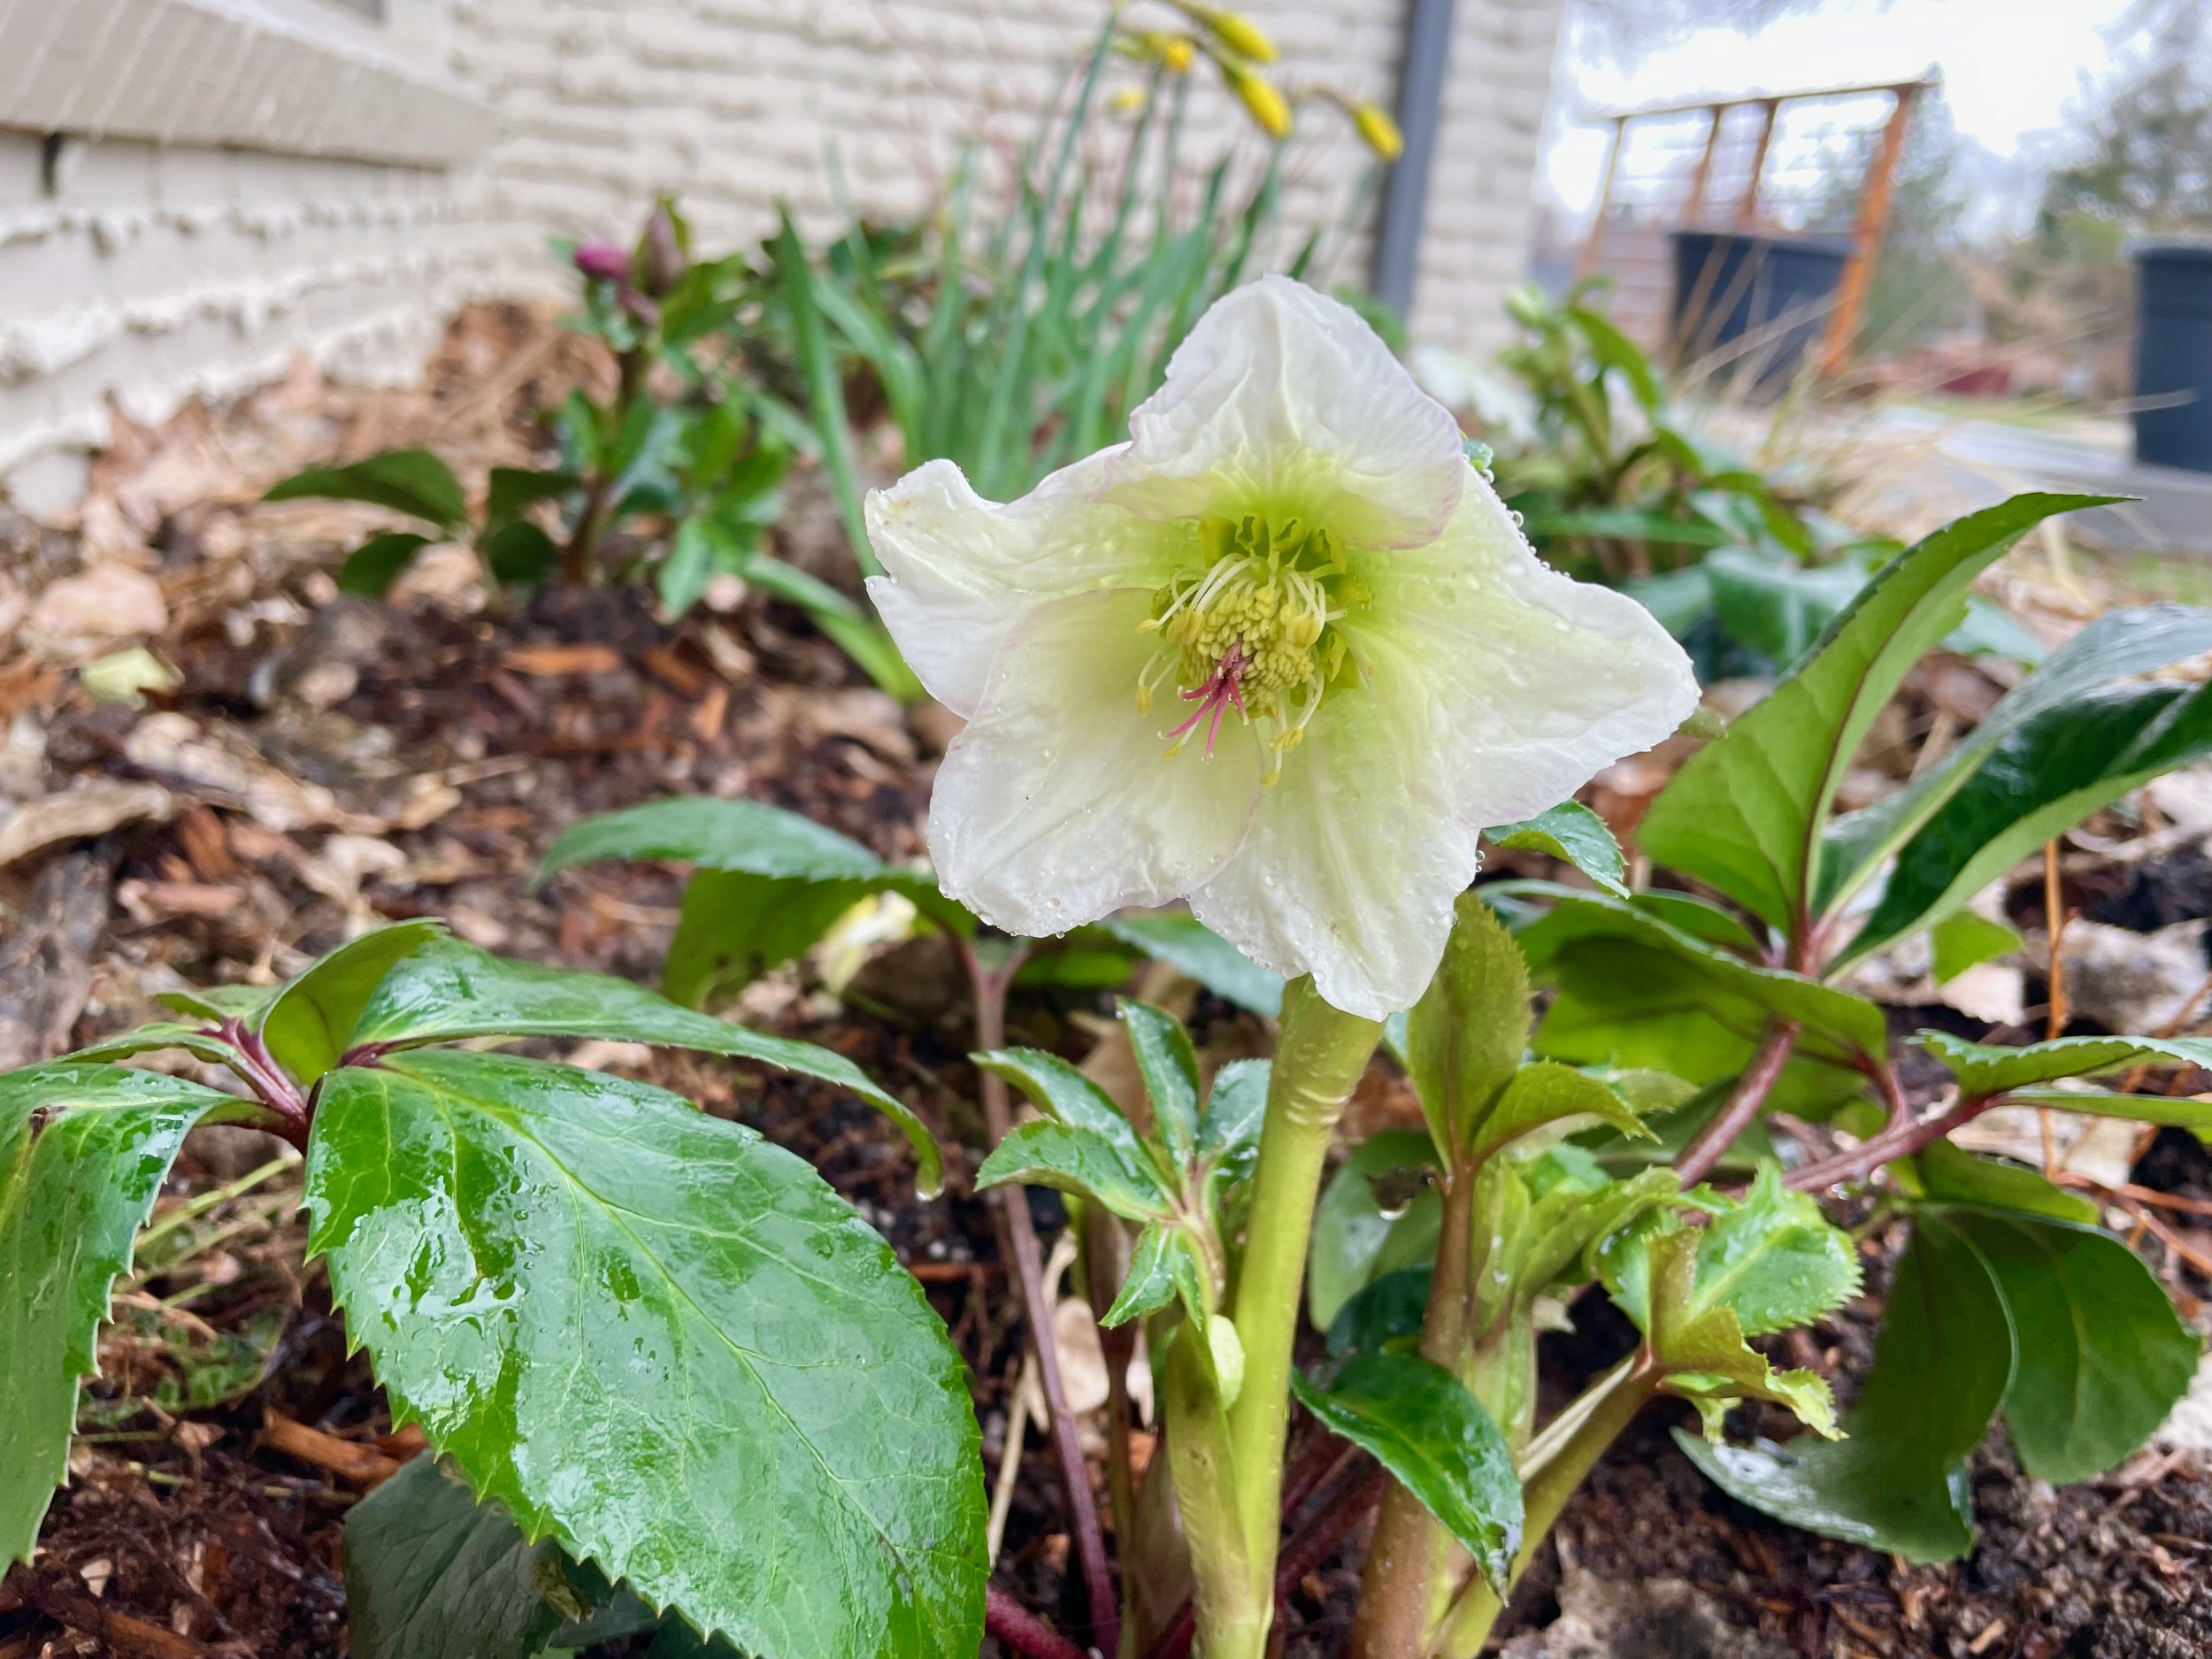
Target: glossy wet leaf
{"x": 2116, "y": 646}
{"x": 1359, "y": 1206}
{"x": 84, "y": 1151}
{"x": 1942, "y": 1365}
{"x": 1192, "y": 949}
{"x": 310, "y": 1021}
{"x": 413, "y": 481}
{"x": 1465, "y": 1037}
{"x": 1229, "y": 1128}
{"x": 2038, "y": 780}
{"x": 1424, "y": 1426}
{"x": 1773, "y": 1260}
{"x": 2102, "y": 1356}
{"x": 1080, "y": 1162}
{"x": 152, "y": 1038}
{"x": 659, "y": 1339}
{"x": 1746, "y": 813}
{"x": 1070, "y": 1099}
{"x": 1545, "y": 1095}
{"x": 1162, "y": 1268}
{"x": 1571, "y": 830}
{"x": 447, "y": 991}
{"x": 430, "y": 1573}
{"x": 1983, "y": 1069}
{"x": 1388, "y": 1313}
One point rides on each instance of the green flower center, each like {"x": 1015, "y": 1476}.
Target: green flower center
{"x": 1253, "y": 629}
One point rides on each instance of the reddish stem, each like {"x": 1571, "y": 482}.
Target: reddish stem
{"x": 1898, "y": 1139}
{"x": 273, "y": 1086}
{"x": 1022, "y": 1630}
{"x": 990, "y": 986}
{"x": 1712, "y": 1142}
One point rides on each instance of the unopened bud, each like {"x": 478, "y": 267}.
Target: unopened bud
{"x": 660, "y": 258}
{"x": 1237, "y": 34}
{"x": 1128, "y": 101}
{"x": 602, "y": 260}
{"x": 1381, "y": 132}
{"x": 1263, "y": 99}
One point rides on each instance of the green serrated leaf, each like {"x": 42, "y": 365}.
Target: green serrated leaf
{"x": 430, "y": 1573}
{"x": 1746, "y": 814}
{"x": 413, "y": 481}
{"x": 1695, "y": 1336}
{"x": 1191, "y": 947}
{"x": 2038, "y": 781}
{"x": 1170, "y": 1068}
{"x": 1545, "y": 1095}
{"x": 1160, "y": 1269}
{"x": 1229, "y": 1130}
{"x": 1424, "y": 1426}
{"x": 1465, "y": 1037}
{"x": 84, "y": 1151}
{"x": 1077, "y": 1161}
{"x": 447, "y": 991}
{"x": 1066, "y": 1096}
{"x": 1942, "y": 1365}
{"x": 219, "y": 1003}
{"x": 152, "y": 1039}
{"x": 2116, "y": 646}
{"x": 1985, "y": 1069}
{"x": 1772, "y": 1259}
{"x": 371, "y": 569}
{"x": 307, "y": 1025}
{"x": 664, "y": 1341}
{"x": 1571, "y": 830}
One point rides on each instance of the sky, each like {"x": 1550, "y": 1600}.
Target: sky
{"x": 2008, "y": 69}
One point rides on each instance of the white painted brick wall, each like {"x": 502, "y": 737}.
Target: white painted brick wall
{"x": 145, "y": 272}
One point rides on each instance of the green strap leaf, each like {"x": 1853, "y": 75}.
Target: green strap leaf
{"x": 1983, "y": 1069}
{"x": 413, "y": 481}
{"x": 1424, "y": 1426}
{"x": 1571, "y": 830}
{"x": 652, "y": 1335}
{"x": 2040, "y": 781}
{"x": 1746, "y": 814}
{"x": 447, "y": 991}
{"x": 84, "y": 1151}
{"x": 307, "y": 1025}
{"x": 1169, "y": 1067}
{"x": 2117, "y": 645}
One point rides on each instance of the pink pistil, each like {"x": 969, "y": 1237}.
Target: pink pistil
{"x": 1223, "y": 687}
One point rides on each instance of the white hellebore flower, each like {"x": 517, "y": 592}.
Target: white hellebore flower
{"x": 1283, "y": 653}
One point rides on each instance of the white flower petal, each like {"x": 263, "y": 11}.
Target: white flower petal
{"x": 1284, "y": 399}
{"x": 1532, "y": 682}
{"x": 964, "y": 571}
{"x": 1351, "y": 868}
{"x": 1058, "y": 804}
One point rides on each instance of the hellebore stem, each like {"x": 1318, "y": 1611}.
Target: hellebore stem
{"x": 990, "y": 985}
{"x": 1236, "y": 1451}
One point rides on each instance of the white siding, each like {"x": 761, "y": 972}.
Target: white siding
{"x": 152, "y": 271}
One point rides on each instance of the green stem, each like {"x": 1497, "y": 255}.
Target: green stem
{"x": 1320, "y": 1055}
{"x": 1558, "y": 1461}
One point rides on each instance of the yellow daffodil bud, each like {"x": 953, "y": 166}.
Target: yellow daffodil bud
{"x": 1263, "y": 99}
{"x": 1128, "y": 101}
{"x": 1237, "y": 33}
{"x": 1379, "y": 131}
{"x": 1178, "y": 52}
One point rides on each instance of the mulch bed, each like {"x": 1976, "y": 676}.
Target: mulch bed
{"x": 230, "y": 1432}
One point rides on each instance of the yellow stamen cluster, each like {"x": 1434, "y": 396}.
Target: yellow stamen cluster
{"x": 1268, "y": 592}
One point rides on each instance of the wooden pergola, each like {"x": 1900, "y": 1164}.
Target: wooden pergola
{"x": 1698, "y": 211}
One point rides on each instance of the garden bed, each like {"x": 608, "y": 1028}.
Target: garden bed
{"x": 323, "y": 761}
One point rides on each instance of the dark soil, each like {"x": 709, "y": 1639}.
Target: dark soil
{"x": 194, "y": 1524}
